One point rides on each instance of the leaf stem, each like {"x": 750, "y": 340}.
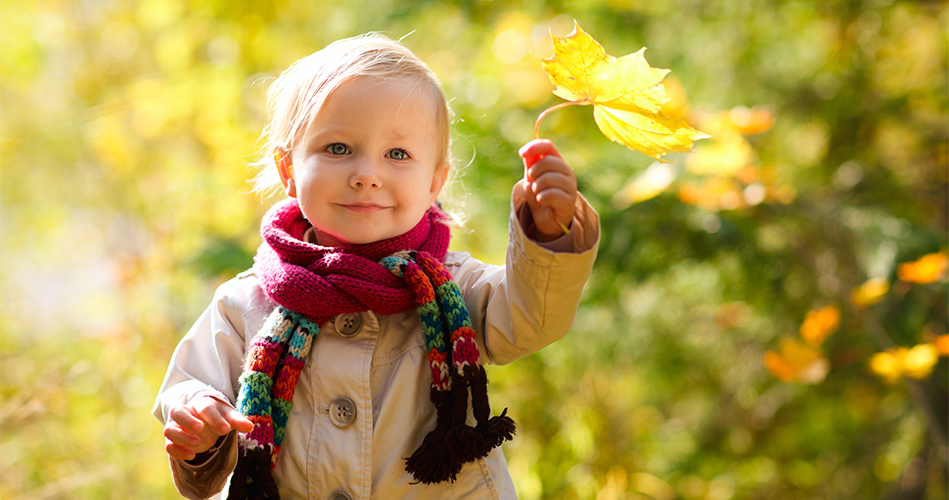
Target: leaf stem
{"x": 555, "y": 107}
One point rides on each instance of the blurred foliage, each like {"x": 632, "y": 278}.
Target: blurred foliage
{"x": 126, "y": 132}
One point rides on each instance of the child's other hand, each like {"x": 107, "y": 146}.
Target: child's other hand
{"x": 195, "y": 427}
{"x": 550, "y": 187}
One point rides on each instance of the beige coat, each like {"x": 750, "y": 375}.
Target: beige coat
{"x": 516, "y": 310}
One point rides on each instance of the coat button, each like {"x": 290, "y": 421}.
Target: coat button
{"x": 342, "y": 411}
{"x": 348, "y": 325}
{"x": 339, "y": 495}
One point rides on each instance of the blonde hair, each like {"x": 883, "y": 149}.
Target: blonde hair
{"x": 297, "y": 95}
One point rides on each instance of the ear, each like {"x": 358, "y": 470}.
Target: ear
{"x": 284, "y": 163}
{"x": 438, "y": 180}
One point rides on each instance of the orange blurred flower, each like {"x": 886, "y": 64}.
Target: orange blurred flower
{"x": 942, "y": 345}
{"x": 751, "y": 121}
{"x": 795, "y": 360}
{"x": 870, "y": 292}
{"x": 725, "y": 156}
{"x": 898, "y": 362}
{"x": 715, "y": 194}
{"x": 740, "y": 119}
{"x": 927, "y": 269}
{"x": 819, "y": 324}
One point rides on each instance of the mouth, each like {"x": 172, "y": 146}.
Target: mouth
{"x": 363, "y": 207}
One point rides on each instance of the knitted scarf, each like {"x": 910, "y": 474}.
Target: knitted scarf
{"x": 310, "y": 285}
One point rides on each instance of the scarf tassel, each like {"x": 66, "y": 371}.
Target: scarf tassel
{"x": 252, "y": 478}
{"x": 431, "y": 463}
{"x": 453, "y": 443}
{"x": 493, "y": 430}
{"x": 464, "y": 443}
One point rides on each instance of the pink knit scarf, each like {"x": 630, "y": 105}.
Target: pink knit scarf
{"x": 321, "y": 282}
{"x": 311, "y": 284}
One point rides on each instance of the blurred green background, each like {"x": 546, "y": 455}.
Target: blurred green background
{"x": 127, "y": 128}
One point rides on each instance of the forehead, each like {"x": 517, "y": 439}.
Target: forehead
{"x": 407, "y": 102}
{"x": 378, "y": 91}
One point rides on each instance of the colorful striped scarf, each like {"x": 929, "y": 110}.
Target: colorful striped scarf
{"x": 311, "y": 284}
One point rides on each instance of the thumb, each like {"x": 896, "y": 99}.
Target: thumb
{"x": 523, "y": 188}
{"x": 239, "y": 422}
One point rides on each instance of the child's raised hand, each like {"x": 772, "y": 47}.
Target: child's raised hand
{"x": 550, "y": 187}
{"x": 195, "y": 427}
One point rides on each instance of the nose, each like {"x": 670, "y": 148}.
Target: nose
{"x": 366, "y": 176}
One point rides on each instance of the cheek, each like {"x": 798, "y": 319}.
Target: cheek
{"x": 321, "y": 179}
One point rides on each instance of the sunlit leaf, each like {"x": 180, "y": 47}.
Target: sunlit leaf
{"x": 870, "y": 292}
{"x": 626, "y": 93}
{"x": 927, "y": 269}
{"x": 819, "y": 324}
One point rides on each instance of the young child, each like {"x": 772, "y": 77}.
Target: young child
{"x": 347, "y": 363}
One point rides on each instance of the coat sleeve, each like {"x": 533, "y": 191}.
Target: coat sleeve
{"x": 532, "y": 300}
{"x": 207, "y": 362}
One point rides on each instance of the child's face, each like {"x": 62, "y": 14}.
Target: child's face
{"x": 368, "y": 169}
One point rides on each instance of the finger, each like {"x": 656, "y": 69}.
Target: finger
{"x": 558, "y": 200}
{"x": 238, "y": 421}
{"x": 548, "y": 226}
{"x": 549, "y": 164}
{"x": 212, "y": 414}
{"x": 181, "y": 437}
{"x": 554, "y": 180}
{"x": 179, "y": 452}
{"x": 187, "y": 419}
{"x": 537, "y": 149}
{"x": 521, "y": 189}
{"x": 552, "y": 218}
{"x": 524, "y": 186}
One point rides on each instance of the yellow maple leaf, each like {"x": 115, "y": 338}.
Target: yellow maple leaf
{"x": 626, "y": 93}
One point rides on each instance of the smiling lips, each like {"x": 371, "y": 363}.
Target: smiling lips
{"x": 363, "y": 207}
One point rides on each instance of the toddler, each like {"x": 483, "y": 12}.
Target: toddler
{"x": 347, "y": 363}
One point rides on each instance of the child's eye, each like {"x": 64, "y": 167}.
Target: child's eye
{"x": 398, "y": 154}
{"x": 338, "y": 148}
